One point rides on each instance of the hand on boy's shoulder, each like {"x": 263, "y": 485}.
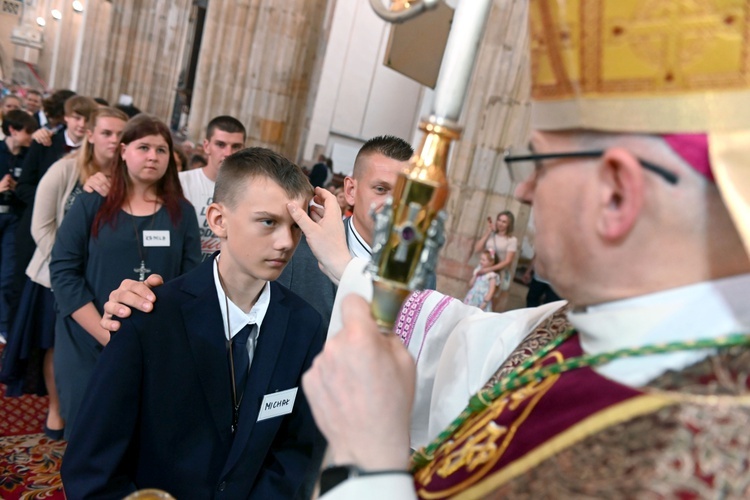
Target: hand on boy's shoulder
{"x": 131, "y": 294}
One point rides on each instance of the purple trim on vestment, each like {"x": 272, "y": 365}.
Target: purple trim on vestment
{"x": 541, "y": 412}
{"x": 432, "y": 319}
{"x": 409, "y": 312}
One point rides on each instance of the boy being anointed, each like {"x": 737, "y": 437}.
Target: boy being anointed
{"x": 173, "y": 404}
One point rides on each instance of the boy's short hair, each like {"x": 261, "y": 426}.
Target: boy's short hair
{"x": 389, "y": 146}
{"x": 259, "y": 162}
{"x": 81, "y": 105}
{"x": 35, "y": 92}
{"x": 54, "y": 105}
{"x": 225, "y": 123}
{"x": 18, "y": 120}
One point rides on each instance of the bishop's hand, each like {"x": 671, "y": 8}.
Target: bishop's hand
{"x": 361, "y": 390}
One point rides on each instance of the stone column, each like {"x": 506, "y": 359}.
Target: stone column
{"x": 97, "y": 38}
{"x": 135, "y": 47}
{"x": 27, "y": 39}
{"x": 495, "y": 116}
{"x": 256, "y": 63}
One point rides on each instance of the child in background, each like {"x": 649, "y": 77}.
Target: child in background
{"x": 482, "y": 286}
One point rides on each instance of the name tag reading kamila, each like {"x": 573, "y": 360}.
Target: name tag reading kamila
{"x": 156, "y": 238}
{"x": 278, "y": 403}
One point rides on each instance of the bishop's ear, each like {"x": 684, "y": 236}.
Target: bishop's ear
{"x": 216, "y": 219}
{"x": 621, "y": 185}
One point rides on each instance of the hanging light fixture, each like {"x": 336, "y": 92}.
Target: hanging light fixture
{"x": 77, "y": 6}
{"x": 56, "y": 14}
{"x": 40, "y": 21}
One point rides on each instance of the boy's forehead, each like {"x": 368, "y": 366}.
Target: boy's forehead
{"x": 262, "y": 190}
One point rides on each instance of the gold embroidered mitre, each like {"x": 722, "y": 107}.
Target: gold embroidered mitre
{"x": 652, "y": 66}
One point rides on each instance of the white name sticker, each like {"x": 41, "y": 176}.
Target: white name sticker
{"x": 156, "y": 238}
{"x": 278, "y": 403}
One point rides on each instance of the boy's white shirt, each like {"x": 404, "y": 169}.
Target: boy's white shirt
{"x": 237, "y": 317}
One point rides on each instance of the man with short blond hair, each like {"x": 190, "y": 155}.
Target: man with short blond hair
{"x": 373, "y": 179}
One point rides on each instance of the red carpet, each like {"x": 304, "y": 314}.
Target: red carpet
{"x": 29, "y": 462}
{"x": 30, "y": 467}
{"x": 24, "y": 415}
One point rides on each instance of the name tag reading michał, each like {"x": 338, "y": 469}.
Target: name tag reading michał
{"x": 278, "y": 403}
{"x": 155, "y": 238}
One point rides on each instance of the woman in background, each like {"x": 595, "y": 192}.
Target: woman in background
{"x": 499, "y": 240}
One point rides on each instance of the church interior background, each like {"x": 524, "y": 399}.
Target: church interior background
{"x": 306, "y": 77}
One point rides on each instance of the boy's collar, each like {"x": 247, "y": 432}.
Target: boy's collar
{"x": 237, "y": 317}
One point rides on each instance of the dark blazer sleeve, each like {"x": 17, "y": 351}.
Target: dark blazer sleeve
{"x": 288, "y": 462}
{"x": 99, "y": 460}
{"x": 318, "y": 174}
{"x": 303, "y": 276}
{"x": 29, "y": 179}
{"x": 191, "y": 248}
{"x": 68, "y": 262}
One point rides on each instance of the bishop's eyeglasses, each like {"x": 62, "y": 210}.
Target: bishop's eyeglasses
{"x": 536, "y": 158}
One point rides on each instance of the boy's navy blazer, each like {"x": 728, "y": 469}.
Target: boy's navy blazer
{"x": 159, "y": 407}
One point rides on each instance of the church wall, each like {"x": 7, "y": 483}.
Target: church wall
{"x": 132, "y": 47}
{"x": 358, "y": 98}
{"x": 10, "y": 14}
{"x": 256, "y": 61}
{"x": 64, "y": 30}
{"x": 495, "y": 116}
{"x": 306, "y": 76}
{"x": 136, "y": 49}
{"x": 69, "y": 28}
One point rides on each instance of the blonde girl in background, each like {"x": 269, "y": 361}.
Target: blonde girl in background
{"x": 499, "y": 240}
{"x": 482, "y": 286}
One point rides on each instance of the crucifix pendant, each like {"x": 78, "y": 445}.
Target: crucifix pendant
{"x": 142, "y": 271}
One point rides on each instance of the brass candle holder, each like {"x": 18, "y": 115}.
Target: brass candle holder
{"x": 409, "y": 229}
